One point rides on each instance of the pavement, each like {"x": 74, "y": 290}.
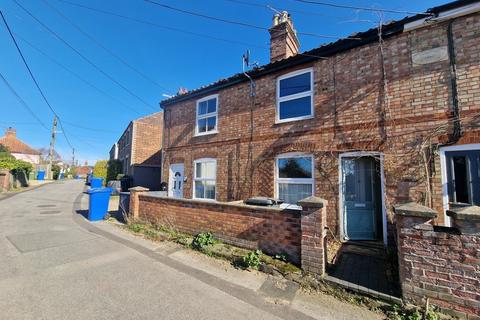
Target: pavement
{"x": 57, "y": 265}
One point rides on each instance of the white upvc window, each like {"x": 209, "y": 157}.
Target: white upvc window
{"x": 294, "y": 178}
{"x": 295, "y": 96}
{"x": 204, "y": 179}
{"x": 206, "y": 120}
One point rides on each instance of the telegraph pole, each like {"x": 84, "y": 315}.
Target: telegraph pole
{"x": 52, "y": 147}
{"x": 73, "y": 157}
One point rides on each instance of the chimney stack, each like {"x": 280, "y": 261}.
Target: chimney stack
{"x": 283, "y": 37}
{"x": 11, "y": 132}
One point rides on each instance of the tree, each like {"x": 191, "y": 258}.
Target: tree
{"x": 56, "y": 171}
{"x": 100, "y": 169}
{"x": 4, "y": 153}
{"x": 114, "y": 169}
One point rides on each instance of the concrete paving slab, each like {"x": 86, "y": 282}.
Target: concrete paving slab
{"x": 249, "y": 279}
{"x": 279, "y": 289}
{"x": 314, "y": 306}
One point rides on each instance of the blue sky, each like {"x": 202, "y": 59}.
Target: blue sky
{"x": 169, "y": 59}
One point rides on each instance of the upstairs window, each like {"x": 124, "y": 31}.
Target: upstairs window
{"x": 295, "y": 96}
{"x": 294, "y": 177}
{"x": 205, "y": 175}
{"x": 207, "y": 115}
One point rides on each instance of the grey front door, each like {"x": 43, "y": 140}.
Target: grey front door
{"x": 360, "y": 194}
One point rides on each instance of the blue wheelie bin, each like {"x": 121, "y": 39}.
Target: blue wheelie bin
{"x": 41, "y": 175}
{"x": 98, "y": 203}
{"x": 96, "y": 182}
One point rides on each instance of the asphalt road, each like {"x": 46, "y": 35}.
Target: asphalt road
{"x": 56, "y": 265}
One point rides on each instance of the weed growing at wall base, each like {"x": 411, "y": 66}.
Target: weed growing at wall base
{"x": 252, "y": 259}
{"x": 202, "y": 240}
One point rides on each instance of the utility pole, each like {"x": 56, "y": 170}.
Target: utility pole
{"x": 52, "y": 148}
{"x": 73, "y": 157}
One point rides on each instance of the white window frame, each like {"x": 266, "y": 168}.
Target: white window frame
{"x": 443, "y": 168}
{"x": 195, "y": 179}
{"x": 294, "y": 180}
{"x": 207, "y": 115}
{"x": 295, "y": 96}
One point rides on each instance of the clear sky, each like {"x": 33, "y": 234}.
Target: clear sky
{"x": 164, "y": 58}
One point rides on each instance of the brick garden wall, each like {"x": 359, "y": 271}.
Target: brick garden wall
{"x": 272, "y": 230}
{"x": 300, "y": 234}
{"x": 442, "y": 264}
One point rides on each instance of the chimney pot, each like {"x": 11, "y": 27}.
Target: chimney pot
{"x": 283, "y": 38}
{"x": 11, "y": 132}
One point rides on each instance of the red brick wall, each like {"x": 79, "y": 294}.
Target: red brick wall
{"x": 272, "y": 230}
{"x": 147, "y": 140}
{"x": 351, "y": 114}
{"x": 441, "y": 265}
{"x": 4, "y": 180}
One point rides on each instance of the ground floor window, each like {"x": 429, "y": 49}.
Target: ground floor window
{"x": 205, "y": 172}
{"x": 463, "y": 175}
{"x": 294, "y": 177}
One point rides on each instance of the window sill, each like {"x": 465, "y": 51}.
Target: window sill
{"x": 205, "y": 133}
{"x": 204, "y": 199}
{"x": 293, "y": 119}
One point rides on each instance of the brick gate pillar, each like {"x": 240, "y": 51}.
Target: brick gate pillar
{"x": 4, "y": 180}
{"x": 313, "y": 243}
{"x": 134, "y": 201}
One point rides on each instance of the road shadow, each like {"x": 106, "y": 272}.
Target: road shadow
{"x": 83, "y": 213}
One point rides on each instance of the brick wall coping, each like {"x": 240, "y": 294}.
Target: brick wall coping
{"x": 4, "y": 172}
{"x": 218, "y": 205}
{"x": 471, "y": 213}
{"x": 313, "y": 202}
{"x": 413, "y": 209}
{"x": 139, "y": 189}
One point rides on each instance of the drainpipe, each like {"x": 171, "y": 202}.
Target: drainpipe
{"x": 457, "y": 126}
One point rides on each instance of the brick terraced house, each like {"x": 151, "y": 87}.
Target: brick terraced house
{"x": 140, "y": 150}
{"x": 366, "y": 122}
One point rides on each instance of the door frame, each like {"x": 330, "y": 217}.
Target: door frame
{"x": 170, "y": 178}
{"x": 382, "y": 189}
{"x": 443, "y": 169}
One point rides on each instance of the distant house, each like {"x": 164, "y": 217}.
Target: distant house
{"x": 139, "y": 149}
{"x": 82, "y": 171}
{"x": 19, "y": 149}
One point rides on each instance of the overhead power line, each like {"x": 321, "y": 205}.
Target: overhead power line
{"x": 342, "y": 6}
{"x": 56, "y": 35}
{"x": 33, "y": 77}
{"x": 239, "y": 23}
{"x": 22, "y": 102}
{"x": 106, "y": 49}
{"x": 202, "y": 35}
{"x": 76, "y": 75}
{"x": 269, "y": 7}
{"x": 75, "y": 125}
{"x": 160, "y": 26}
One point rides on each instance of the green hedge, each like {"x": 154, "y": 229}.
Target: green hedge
{"x": 114, "y": 169}
{"x": 15, "y": 165}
